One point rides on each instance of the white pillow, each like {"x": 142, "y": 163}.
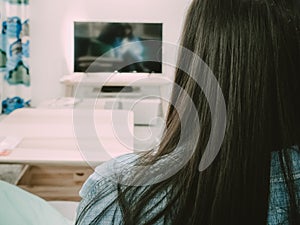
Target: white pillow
{"x": 20, "y": 207}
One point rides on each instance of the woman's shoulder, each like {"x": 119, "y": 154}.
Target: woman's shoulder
{"x": 100, "y": 191}
{"x": 276, "y": 173}
{"x": 279, "y": 198}
{"x": 106, "y": 175}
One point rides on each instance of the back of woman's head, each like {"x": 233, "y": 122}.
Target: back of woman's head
{"x": 253, "y": 49}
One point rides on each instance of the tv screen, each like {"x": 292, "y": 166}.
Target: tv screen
{"x": 111, "y": 47}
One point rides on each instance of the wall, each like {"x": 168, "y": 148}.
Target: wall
{"x": 52, "y": 33}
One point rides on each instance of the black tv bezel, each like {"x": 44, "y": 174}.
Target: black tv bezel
{"x": 116, "y": 72}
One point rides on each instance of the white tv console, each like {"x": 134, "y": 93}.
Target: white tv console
{"x": 146, "y": 106}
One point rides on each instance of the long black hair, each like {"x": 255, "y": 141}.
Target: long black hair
{"x": 253, "y": 48}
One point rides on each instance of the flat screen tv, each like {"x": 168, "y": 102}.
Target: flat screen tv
{"x": 104, "y": 47}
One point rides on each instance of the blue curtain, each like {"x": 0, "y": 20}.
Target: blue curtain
{"x": 14, "y": 55}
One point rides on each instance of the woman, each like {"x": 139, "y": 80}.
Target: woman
{"x": 253, "y": 48}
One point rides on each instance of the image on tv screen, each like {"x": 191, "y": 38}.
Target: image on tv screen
{"x": 111, "y": 47}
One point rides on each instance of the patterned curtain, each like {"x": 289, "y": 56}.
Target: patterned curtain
{"x": 14, "y": 55}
